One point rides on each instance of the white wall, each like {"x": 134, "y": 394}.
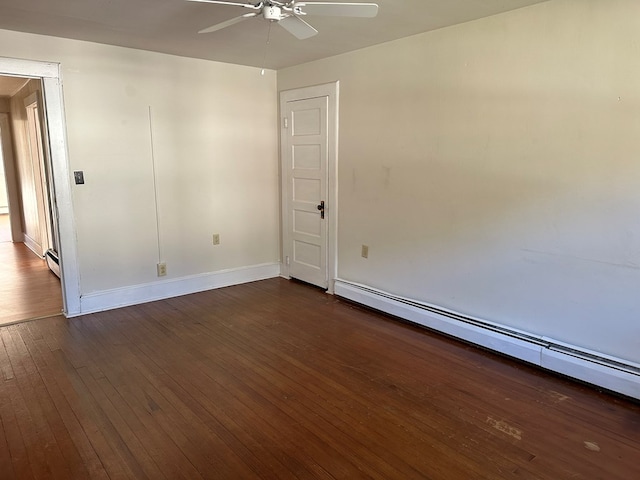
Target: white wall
{"x": 215, "y": 144}
{"x": 492, "y": 168}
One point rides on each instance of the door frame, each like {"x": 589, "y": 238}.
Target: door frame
{"x": 331, "y": 91}
{"x": 51, "y": 76}
{"x": 13, "y": 195}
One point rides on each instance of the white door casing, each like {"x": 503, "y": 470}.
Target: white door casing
{"x": 54, "y": 108}
{"x": 309, "y": 158}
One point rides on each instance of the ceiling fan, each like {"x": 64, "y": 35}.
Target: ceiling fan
{"x": 289, "y": 14}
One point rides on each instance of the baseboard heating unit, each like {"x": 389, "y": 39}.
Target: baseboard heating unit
{"x": 595, "y": 368}
{"x": 53, "y": 262}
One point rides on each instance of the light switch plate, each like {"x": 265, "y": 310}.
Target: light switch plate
{"x": 79, "y": 177}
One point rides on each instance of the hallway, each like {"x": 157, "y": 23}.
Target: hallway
{"x": 28, "y": 289}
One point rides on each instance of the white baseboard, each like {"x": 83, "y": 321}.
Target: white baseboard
{"x": 4, "y": 210}
{"x": 610, "y": 373}
{"x": 136, "y": 294}
{"x": 32, "y": 245}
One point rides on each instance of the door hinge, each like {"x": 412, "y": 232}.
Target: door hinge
{"x": 286, "y": 123}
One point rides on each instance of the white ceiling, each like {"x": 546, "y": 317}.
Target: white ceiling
{"x": 170, "y": 26}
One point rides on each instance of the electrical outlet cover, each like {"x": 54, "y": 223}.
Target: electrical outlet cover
{"x": 162, "y": 269}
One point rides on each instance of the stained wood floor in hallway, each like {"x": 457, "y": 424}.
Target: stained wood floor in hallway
{"x": 276, "y": 379}
{"x": 28, "y": 289}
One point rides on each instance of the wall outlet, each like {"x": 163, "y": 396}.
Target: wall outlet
{"x": 162, "y": 269}
{"x": 216, "y": 239}
{"x": 365, "y": 251}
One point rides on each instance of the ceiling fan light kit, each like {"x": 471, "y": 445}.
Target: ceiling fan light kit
{"x": 272, "y": 13}
{"x": 287, "y": 14}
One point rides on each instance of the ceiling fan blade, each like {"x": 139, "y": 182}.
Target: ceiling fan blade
{"x": 231, "y": 4}
{"x": 297, "y": 27}
{"x": 362, "y": 10}
{"x": 228, "y": 23}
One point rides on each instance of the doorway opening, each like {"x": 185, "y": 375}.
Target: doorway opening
{"x": 29, "y": 264}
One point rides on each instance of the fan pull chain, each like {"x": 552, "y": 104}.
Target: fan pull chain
{"x": 266, "y": 49}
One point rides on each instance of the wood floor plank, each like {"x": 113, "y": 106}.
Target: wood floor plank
{"x": 322, "y": 408}
{"x": 253, "y": 353}
{"x": 132, "y": 451}
{"x": 6, "y": 464}
{"x": 16, "y": 449}
{"x": 144, "y": 399}
{"x": 197, "y": 378}
{"x": 103, "y": 436}
{"x": 69, "y": 408}
{"x": 64, "y": 458}
{"x": 31, "y": 419}
{"x": 28, "y": 288}
{"x": 11, "y": 443}
{"x": 244, "y": 394}
{"x": 315, "y": 377}
{"x": 478, "y": 392}
{"x": 435, "y": 428}
{"x": 276, "y": 379}
{"x": 129, "y": 408}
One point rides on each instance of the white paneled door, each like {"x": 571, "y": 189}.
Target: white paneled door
{"x": 305, "y": 152}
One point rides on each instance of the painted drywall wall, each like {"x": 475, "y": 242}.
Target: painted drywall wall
{"x": 492, "y": 169}
{"x": 207, "y": 130}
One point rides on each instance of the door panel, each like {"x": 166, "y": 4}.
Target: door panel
{"x": 306, "y": 222}
{"x": 37, "y": 197}
{"x": 307, "y": 254}
{"x": 305, "y": 153}
{"x": 307, "y": 156}
{"x": 306, "y": 122}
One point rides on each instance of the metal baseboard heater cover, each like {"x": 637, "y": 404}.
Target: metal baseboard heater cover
{"x": 53, "y": 262}
{"x": 591, "y": 367}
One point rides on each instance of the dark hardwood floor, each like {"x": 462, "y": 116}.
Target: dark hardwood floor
{"x": 276, "y": 379}
{"x": 28, "y": 289}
